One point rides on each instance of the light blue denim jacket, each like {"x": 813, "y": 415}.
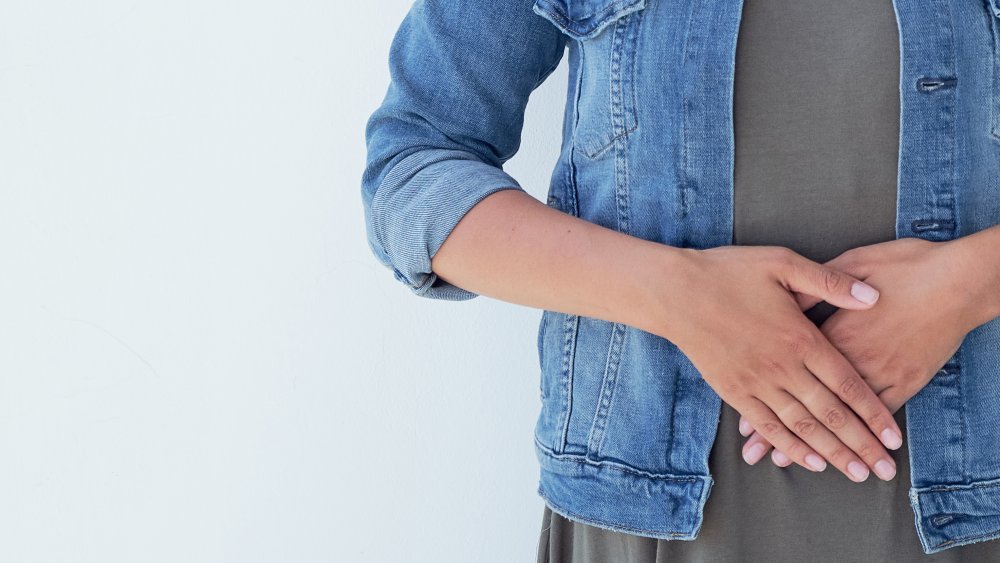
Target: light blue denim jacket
{"x": 626, "y": 422}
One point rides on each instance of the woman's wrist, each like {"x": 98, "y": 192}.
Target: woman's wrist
{"x": 977, "y": 268}
{"x": 666, "y": 279}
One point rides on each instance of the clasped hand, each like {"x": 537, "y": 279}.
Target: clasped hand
{"x": 828, "y": 393}
{"x": 925, "y": 308}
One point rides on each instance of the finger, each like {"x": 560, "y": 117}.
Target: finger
{"x": 893, "y": 398}
{"x": 756, "y": 438}
{"x": 830, "y": 285}
{"x": 854, "y": 262}
{"x": 797, "y": 416}
{"x": 777, "y": 456}
{"x": 839, "y": 376}
{"x": 819, "y": 417}
{"x": 775, "y": 432}
{"x": 780, "y": 459}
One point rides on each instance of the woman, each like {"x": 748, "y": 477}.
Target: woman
{"x": 709, "y": 197}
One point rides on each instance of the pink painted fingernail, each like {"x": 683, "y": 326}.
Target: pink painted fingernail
{"x": 858, "y": 471}
{"x": 779, "y": 458}
{"x": 816, "y": 462}
{"x": 884, "y": 470}
{"x": 745, "y": 428}
{"x": 754, "y": 453}
{"x": 891, "y": 439}
{"x": 864, "y": 292}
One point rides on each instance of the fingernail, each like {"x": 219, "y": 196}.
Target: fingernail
{"x": 745, "y": 428}
{"x": 858, "y": 471}
{"x": 779, "y": 458}
{"x": 864, "y": 292}
{"x": 816, "y": 462}
{"x": 754, "y": 453}
{"x": 891, "y": 438}
{"x": 884, "y": 470}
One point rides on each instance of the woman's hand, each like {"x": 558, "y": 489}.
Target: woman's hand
{"x": 737, "y": 318}
{"x": 932, "y": 295}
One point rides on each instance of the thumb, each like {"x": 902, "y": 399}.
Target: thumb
{"x": 851, "y": 262}
{"x": 828, "y": 284}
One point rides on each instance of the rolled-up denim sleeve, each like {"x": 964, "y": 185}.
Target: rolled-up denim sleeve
{"x": 461, "y": 72}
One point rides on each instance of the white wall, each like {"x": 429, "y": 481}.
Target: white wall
{"x": 200, "y": 360}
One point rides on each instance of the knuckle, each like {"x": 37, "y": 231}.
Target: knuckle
{"x": 795, "y": 450}
{"x": 781, "y": 252}
{"x": 773, "y": 367}
{"x": 913, "y": 373}
{"x": 849, "y": 259}
{"x": 868, "y": 451}
{"x": 769, "y": 428}
{"x": 730, "y": 387}
{"x": 835, "y": 417}
{"x": 800, "y": 340}
{"x": 839, "y": 454}
{"x": 833, "y": 281}
{"x": 850, "y": 389}
{"x": 783, "y": 256}
{"x": 805, "y": 427}
{"x": 875, "y": 420}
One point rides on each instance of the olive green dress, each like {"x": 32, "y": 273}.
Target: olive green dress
{"x": 816, "y": 136}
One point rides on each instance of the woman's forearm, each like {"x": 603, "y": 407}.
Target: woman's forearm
{"x": 512, "y": 247}
{"x": 731, "y": 310}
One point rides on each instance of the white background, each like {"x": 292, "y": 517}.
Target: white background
{"x": 200, "y": 359}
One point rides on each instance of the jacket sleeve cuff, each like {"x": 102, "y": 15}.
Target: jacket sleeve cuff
{"x": 418, "y": 204}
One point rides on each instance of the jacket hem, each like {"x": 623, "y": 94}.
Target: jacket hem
{"x": 616, "y": 497}
{"x": 949, "y": 516}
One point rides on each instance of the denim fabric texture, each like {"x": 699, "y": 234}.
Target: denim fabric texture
{"x": 626, "y": 422}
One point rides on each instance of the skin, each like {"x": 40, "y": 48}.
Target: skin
{"x": 933, "y": 295}
{"x": 735, "y": 312}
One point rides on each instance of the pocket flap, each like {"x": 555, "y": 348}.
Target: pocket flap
{"x": 581, "y": 19}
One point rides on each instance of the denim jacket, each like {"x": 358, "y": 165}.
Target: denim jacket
{"x": 626, "y": 422}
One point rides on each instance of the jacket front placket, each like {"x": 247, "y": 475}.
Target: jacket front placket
{"x": 926, "y": 208}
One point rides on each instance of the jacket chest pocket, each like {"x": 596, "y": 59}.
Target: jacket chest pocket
{"x": 994, "y": 7}
{"x": 603, "y": 53}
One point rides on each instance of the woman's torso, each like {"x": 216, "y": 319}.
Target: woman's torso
{"x": 816, "y": 128}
